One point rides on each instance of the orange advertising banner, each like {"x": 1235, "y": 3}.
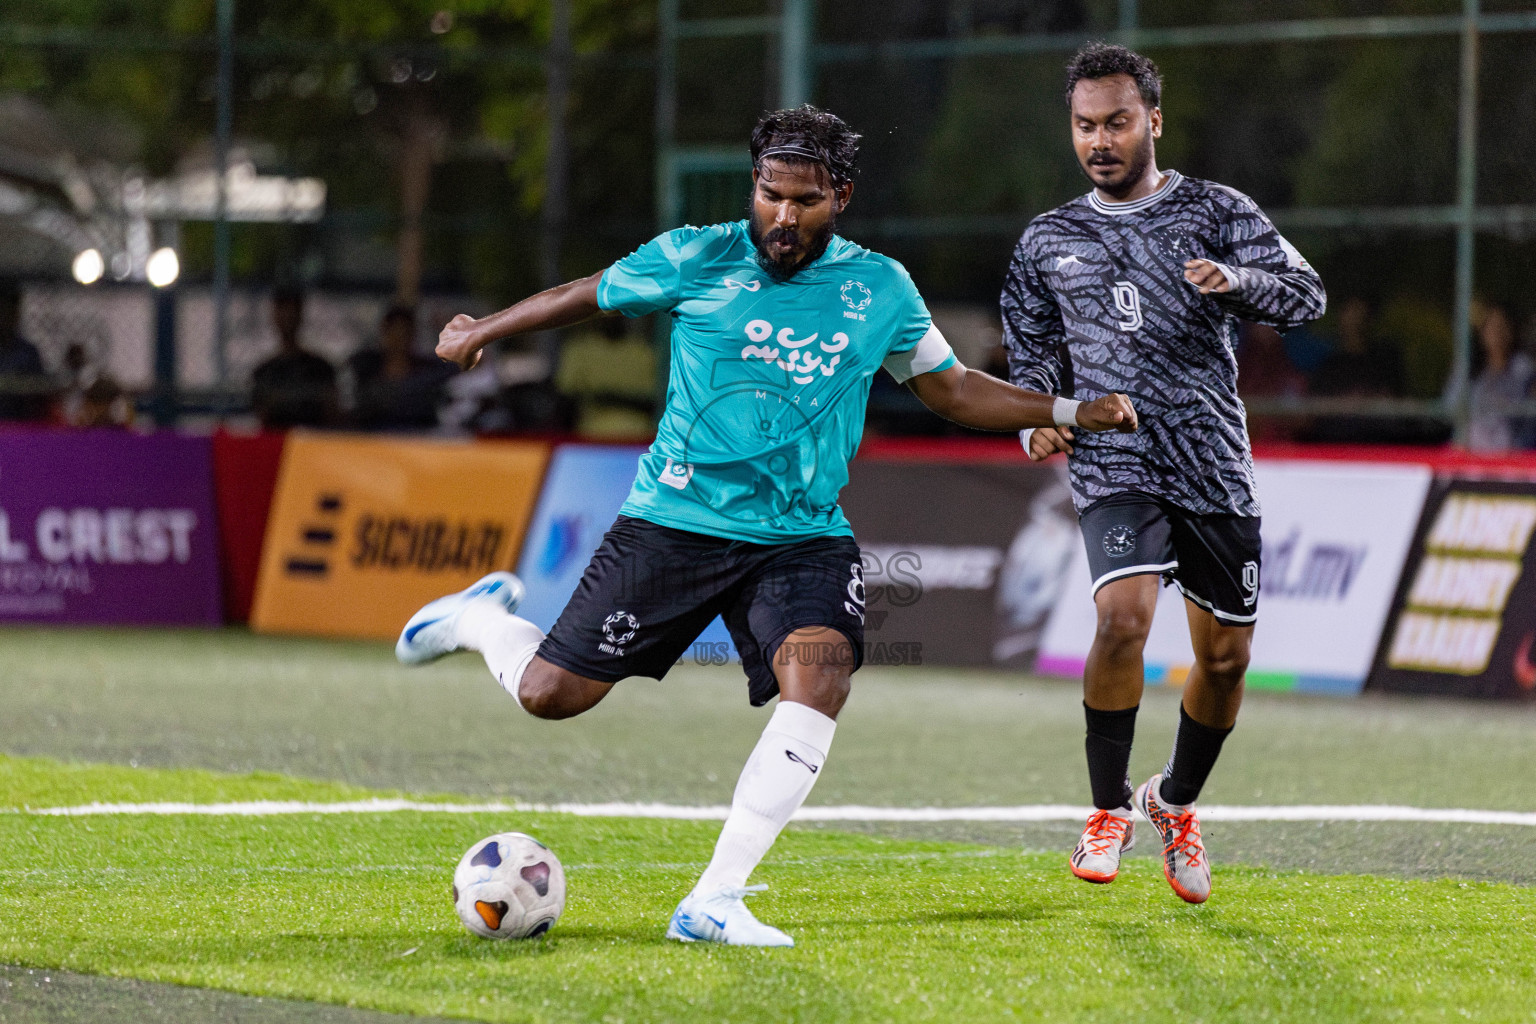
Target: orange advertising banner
{"x": 366, "y": 530}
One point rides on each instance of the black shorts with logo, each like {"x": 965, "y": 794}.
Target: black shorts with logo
{"x": 1213, "y": 559}
{"x": 650, "y": 590}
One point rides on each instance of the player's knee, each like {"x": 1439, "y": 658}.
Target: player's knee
{"x": 539, "y": 698}
{"x": 834, "y": 686}
{"x": 1123, "y": 628}
{"x": 544, "y": 693}
{"x": 815, "y": 670}
{"x": 825, "y": 691}
{"x": 1224, "y": 664}
{"x": 823, "y": 687}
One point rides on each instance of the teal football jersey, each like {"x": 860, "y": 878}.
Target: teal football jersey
{"x": 765, "y": 402}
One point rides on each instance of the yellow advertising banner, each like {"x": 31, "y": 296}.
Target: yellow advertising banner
{"x": 366, "y": 530}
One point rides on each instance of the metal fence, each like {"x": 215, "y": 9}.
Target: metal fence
{"x": 1393, "y": 141}
{"x": 1438, "y": 222}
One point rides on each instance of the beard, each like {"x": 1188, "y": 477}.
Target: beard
{"x": 1137, "y": 166}
{"x": 812, "y": 246}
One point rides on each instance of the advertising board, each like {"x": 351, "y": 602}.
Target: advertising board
{"x": 365, "y": 530}
{"x": 244, "y": 480}
{"x": 107, "y": 527}
{"x": 1335, "y": 537}
{"x": 582, "y": 492}
{"x": 962, "y": 561}
{"x": 1464, "y": 616}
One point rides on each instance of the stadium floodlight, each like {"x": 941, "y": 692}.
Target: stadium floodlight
{"x": 163, "y": 268}
{"x": 88, "y": 266}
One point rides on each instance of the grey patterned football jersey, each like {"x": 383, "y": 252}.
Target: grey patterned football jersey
{"x": 1095, "y": 302}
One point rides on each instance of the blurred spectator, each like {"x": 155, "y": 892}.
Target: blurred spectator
{"x": 397, "y": 388}
{"x": 472, "y": 401}
{"x": 1305, "y": 348}
{"x": 536, "y": 407}
{"x": 91, "y": 398}
{"x": 1264, "y": 370}
{"x": 1360, "y": 366}
{"x": 294, "y": 388}
{"x": 510, "y": 392}
{"x": 1501, "y": 376}
{"x": 524, "y": 359}
{"x": 1423, "y": 328}
{"x": 24, "y": 387}
{"x": 611, "y": 375}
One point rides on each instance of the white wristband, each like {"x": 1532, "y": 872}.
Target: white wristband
{"x": 1231, "y": 274}
{"x": 1064, "y": 412}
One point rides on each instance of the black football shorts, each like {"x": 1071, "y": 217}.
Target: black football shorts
{"x": 650, "y": 590}
{"x": 1213, "y": 559}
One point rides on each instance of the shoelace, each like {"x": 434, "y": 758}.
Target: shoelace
{"x": 1185, "y": 832}
{"x": 1106, "y": 828}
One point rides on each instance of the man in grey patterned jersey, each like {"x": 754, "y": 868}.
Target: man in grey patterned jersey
{"x": 1138, "y": 287}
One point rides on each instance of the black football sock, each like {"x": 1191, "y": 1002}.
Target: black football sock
{"x": 1195, "y": 750}
{"x": 1109, "y": 755}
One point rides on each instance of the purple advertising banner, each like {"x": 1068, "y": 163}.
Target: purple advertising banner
{"x": 107, "y": 527}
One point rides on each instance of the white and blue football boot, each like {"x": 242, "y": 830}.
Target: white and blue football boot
{"x": 430, "y": 632}
{"x": 721, "y": 916}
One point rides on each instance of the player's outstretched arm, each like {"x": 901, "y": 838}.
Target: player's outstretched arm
{"x": 561, "y": 306}
{"x": 975, "y": 399}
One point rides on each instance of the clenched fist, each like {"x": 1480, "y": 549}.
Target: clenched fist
{"x": 456, "y": 342}
{"x": 1206, "y": 276}
{"x": 1047, "y": 441}
{"x": 1110, "y": 412}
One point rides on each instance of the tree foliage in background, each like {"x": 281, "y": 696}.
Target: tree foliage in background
{"x": 359, "y": 91}
{"x": 422, "y": 113}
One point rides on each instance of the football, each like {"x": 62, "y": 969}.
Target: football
{"x": 509, "y": 886}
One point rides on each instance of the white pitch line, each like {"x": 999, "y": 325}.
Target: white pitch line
{"x": 1028, "y": 813}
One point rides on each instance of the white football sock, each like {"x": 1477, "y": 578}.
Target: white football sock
{"x": 775, "y": 782}
{"x": 507, "y": 642}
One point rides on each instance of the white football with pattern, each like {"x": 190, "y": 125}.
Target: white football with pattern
{"x": 509, "y": 886}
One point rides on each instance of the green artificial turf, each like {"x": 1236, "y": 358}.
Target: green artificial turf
{"x": 234, "y": 702}
{"x": 938, "y": 921}
{"x": 38, "y": 782}
{"x": 354, "y": 909}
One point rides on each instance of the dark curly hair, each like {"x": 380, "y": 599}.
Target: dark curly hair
{"x": 807, "y": 134}
{"x": 1100, "y": 60}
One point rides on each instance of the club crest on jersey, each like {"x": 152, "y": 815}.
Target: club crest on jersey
{"x": 792, "y": 354}
{"x": 1176, "y": 246}
{"x": 620, "y": 628}
{"x": 1119, "y": 541}
{"x": 857, "y": 296}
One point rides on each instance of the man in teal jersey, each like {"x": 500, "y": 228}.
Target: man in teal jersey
{"x": 778, "y": 327}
